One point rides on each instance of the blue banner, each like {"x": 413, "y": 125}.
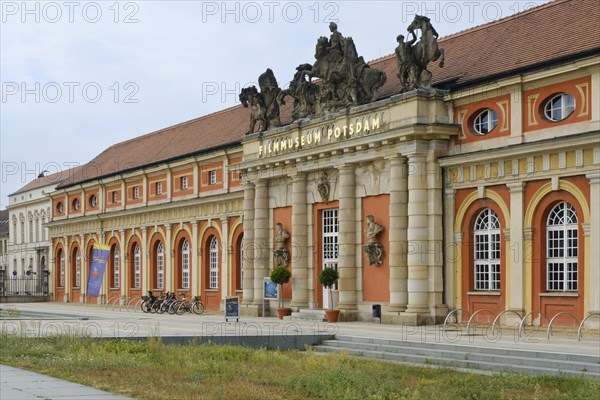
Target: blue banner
{"x": 100, "y": 254}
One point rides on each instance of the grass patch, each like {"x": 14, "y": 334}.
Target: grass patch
{"x": 151, "y": 370}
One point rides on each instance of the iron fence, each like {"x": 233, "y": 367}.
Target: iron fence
{"x": 24, "y": 285}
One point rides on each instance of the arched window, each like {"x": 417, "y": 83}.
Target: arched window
{"x": 137, "y": 259}
{"x": 214, "y": 264}
{"x": 61, "y": 266}
{"x": 562, "y": 248}
{"x": 116, "y": 266}
{"x": 77, "y": 258}
{"x": 486, "y": 239}
{"x": 43, "y": 228}
{"x": 185, "y": 264}
{"x": 160, "y": 266}
{"x": 37, "y": 229}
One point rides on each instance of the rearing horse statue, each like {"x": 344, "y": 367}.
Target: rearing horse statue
{"x": 426, "y": 50}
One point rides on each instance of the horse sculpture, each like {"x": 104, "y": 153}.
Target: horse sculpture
{"x": 426, "y": 50}
{"x": 250, "y": 97}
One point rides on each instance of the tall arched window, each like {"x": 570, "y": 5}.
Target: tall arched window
{"x": 116, "y": 266}
{"x": 61, "y": 266}
{"x": 185, "y": 264}
{"x": 77, "y": 258}
{"x": 160, "y": 266}
{"x": 137, "y": 259}
{"x": 562, "y": 248}
{"x": 37, "y": 229}
{"x": 486, "y": 239}
{"x": 214, "y": 264}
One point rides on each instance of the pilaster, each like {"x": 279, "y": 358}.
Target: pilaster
{"x": 300, "y": 243}
{"x": 347, "y": 250}
{"x": 398, "y": 234}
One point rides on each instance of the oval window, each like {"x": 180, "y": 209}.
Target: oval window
{"x": 485, "y": 122}
{"x": 76, "y": 204}
{"x": 559, "y": 107}
{"x": 59, "y": 207}
{"x": 93, "y": 201}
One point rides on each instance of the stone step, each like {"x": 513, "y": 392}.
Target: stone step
{"x": 456, "y": 363}
{"x": 522, "y": 359}
{"x": 546, "y": 355}
{"x": 307, "y": 315}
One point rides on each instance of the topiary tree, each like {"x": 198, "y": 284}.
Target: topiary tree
{"x": 328, "y": 278}
{"x": 280, "y": 275}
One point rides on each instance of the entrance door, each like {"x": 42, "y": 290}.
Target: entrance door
{"x": 330, "y": 246}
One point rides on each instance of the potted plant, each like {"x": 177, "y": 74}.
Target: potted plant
{"x": 281, "y": 275}
{"x": 328, "y": 278}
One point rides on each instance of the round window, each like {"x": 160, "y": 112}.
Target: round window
{"x": 93, "y": 201}
{"x": 59, "y": 207}
{"x": 75, "y": 204}
{"x": 559, "y": 107}
{"x": 485, "y": 122}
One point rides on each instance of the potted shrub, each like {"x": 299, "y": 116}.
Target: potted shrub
{"x": 328, "y": 278}
{"x": 281, "y": 275}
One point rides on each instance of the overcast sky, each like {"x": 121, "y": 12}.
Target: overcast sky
{"x": 79, "y": 76}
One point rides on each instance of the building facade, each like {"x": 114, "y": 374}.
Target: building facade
{"x": 480, "y": 194}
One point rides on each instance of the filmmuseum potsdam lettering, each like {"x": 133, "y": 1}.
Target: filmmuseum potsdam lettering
{"x": 442, "y": 178}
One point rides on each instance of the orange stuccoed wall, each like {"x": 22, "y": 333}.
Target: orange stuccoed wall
{"x": 376, "y": 286}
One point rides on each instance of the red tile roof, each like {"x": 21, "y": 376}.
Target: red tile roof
{"x": 544, "y": 34}
{"x": 52, "y": 179}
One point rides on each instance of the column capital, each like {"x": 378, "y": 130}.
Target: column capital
{"x": 397, "y": 159}
{"x": 594, "y": 178}
{"x": 586, "y": 229}
{"x": 528, "y": 233}
{"x": 450, "y": 192}
{"x": 416, "y": 148}
{"x": 516, "y": 186}
{"x": 346, "y": 168}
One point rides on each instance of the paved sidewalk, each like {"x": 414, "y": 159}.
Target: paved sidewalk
{"x": 18, "y": 384}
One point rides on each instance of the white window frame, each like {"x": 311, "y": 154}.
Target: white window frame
{"x": 137, "y": 267}
{"x": 562, "y": 249}
{"x": 486, "y": 251}
{"x": 76, "y": 204}
{"x": 136, "y": 192}
{"x": 159, "y": 188}
{"x": 184, "y": 182}
{"x": 59, "y": 207}
{"x": 115, "y": 196}
{"x": 330, "y": 239}
{"x": 160, "y": 266}
{"x": 61, "y": 262}
{"x": 93, "y": 201}
{"x": 566, "y": 106}
{"x": 116, "y": 267}
{"x": 213, "y": 263}
{"x": 212, "y": 177}
{"x": 77, "y": 268}
{"x": 185, "y": 264}
{"x": 485, "y": 122}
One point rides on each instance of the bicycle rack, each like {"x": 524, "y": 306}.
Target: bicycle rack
{"x": 135, "y": 305}
{"x": 582, "y": 322}
{"x": 499, "y": 315}
{"x": 527, "y": 315}
{"x": 456, "y": 310}
{"x": 474, "y": 314}
{"x": 111, "y": 299}
{"x": 549, "y": 330}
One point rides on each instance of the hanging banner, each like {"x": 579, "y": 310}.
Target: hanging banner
{"x": 100, "y": 254}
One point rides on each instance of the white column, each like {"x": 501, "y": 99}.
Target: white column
{"x": 516, "y": 298}
{"x": 452, "y": 248}
{"x": 169, "y": 282}
{"x": 594, "y": 239}
{"x": 67, "y": 269}
{"x": 299, "y": 243}
{"x": 261, "y": 238}
{"x": 435, "y": 258}
{"x": 195, "y": 284}
{"x": 225, "y": 284}
{"x": 418, "y": 234}
{"x": 145, "y": 267}
{"x": 397, "y": 234}
{"x": 347, "y": 241}
{"x": 123, "y": 263}
{"x": 248, "y": 243}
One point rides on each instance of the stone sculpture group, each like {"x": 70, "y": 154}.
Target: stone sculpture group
{"x": 345, "y": 79}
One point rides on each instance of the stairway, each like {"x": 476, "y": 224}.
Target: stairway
{"x": 307, "y": 315}
{"x": 465, "y": 356}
